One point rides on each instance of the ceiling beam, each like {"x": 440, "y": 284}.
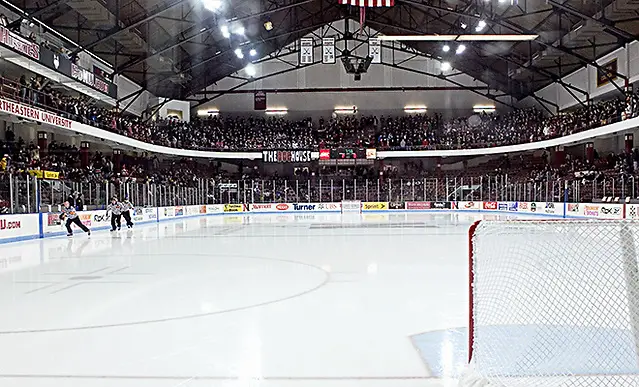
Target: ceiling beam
{"x": 201, "y": 28}
{"x": 37, "y": 13}
{"x": 118, "y": 30}
{"x": 618, "y": 32}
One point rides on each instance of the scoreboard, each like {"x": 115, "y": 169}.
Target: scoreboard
{"x": 343, "y": 154}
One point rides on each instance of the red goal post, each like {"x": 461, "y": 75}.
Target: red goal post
{"x": 553, "y": 303}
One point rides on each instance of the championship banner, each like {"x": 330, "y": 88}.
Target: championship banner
{"x": 306, "y": 51}
{"x": 374, "y": 206}
{"x": 328, "y": 50}
{"x": 375, "y": 50}
{"x": 234, "y": 208}
{"x": 259, "y": 100}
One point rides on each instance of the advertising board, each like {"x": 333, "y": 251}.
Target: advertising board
{"x": 418, "y": 205}
{"x": 467, "y": 205}
{"x": 490, "y": 205}
{"x": 374, "y": 206}
{"x": 18, "y": 226}
{"x": 270, "y": 207}
{"x": 234, "y": 208}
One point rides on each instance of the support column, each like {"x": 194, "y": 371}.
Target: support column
{"x": 43, "y": 143}
{"x": 559, "y": 157}
{"x": 117, "y": 160}
{"x": 84, "y": 154}
{"x": 590, "y": 152}
{"x": 629, "y": 142}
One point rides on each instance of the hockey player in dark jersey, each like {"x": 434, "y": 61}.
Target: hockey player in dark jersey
{"x": 115, "y": 208}
{"x": 69, "y": 213}
{"x": 127, "y": 207}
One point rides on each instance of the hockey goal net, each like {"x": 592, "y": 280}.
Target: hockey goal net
{"x": 553, "y": 303}
{"x": 351, "y": 206}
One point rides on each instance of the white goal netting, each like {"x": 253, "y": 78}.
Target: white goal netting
{"x": 554, "y": 304}
{"x": 351, "y": 206}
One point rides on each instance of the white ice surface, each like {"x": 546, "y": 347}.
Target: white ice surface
{"x": 268, "y": 300}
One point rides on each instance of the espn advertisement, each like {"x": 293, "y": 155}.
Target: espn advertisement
{"x": 374, "y": 206}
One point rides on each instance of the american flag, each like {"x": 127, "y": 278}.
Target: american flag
{"x": 368, "y": 3}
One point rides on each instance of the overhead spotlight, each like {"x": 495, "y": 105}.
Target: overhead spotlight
{"x": 250, "y": 70}
{"x": 253, "y": 52}
{"x": 480, "y": 26}
{"x": 268, "y": 25}
{"x": 212, "y": 5}
{"x": 446, "y": 66}
{"x": 461, "y": 48}
{"x": 239, "y": 30}
{"x": 239, "y": 53}
{"x": 463, "y": 26}
{"x": 225, "y": 31}
{"x": 446, "y": 48}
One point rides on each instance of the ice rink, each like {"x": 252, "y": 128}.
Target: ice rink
{"x": 298, "y": 300}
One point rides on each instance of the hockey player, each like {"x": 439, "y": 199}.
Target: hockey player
{"x": 69, "y": 213}
{"x": 115, "y": 208}
{"x": 127, "y": 206}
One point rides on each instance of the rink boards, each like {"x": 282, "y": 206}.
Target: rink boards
{"x": 17, "y": 227}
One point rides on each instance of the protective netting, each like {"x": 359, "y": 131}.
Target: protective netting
{"x": 555, "y": 303}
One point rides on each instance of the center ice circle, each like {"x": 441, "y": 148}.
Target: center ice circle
{"x": 163, "y": 288}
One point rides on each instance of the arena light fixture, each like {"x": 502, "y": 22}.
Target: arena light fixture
{"x": 250, "y": 70}
{"x": 225, "y": 31}
{"x": 238, "y": 52}
{"x": 239, "y": 30}
{"x": 212, "y": 5}
{"x": 208, "y": 112}
{"x": 346, "y": 110}
{"x": 253, "y": 52}
{"x": 460, "y": 49}
{"x": 446, "y": 48}
{"x": 449, "y": 38}
{"x": 484, "y": 108}
{"x": 415, "y": 109}
{"x": 268, "y": 25}
{"x": 445, "y": 66}
{"x": 480, "y": 26}
{"x": 277, "y": 111}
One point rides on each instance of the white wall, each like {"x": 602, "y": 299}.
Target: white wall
{"x": 126, "y": 87}
{"x": 586, "y": 78}
{"x": 184, "y": 107}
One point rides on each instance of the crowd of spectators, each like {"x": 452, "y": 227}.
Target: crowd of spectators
{"x": 418, "y": 131}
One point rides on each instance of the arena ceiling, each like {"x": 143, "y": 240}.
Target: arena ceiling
{"x": 175, "y": 48}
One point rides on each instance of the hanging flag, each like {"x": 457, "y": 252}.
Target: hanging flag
{"x": 328, "y": 50}
{"x": 368, "y": 3}
{"x": 306, "y": 51}
{"x": 375, "y": 50}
